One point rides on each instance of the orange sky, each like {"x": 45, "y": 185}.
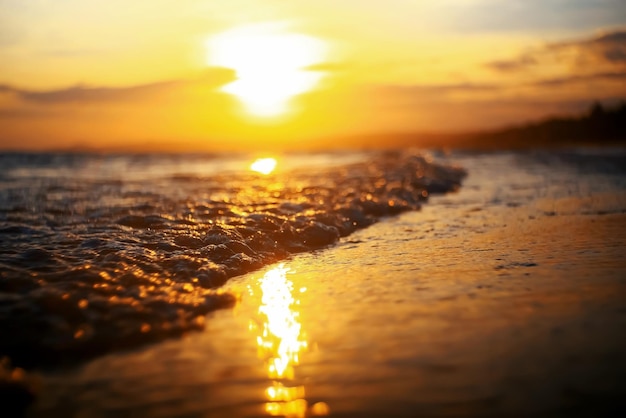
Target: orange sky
{"x": 152, "y": 74}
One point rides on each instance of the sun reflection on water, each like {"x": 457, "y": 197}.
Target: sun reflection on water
{"x": 263, "y": 165}
{"x": 280, "y": 342}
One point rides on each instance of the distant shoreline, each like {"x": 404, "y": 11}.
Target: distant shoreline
{"x": 599, "y": 127}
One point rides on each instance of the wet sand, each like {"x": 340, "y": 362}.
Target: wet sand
{"x": 474, "y": 306}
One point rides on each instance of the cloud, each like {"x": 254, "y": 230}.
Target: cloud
{"x": 562, "y": 81}
{"x": 458, "y": 87}
{"x": 604, "y": 51}
{"x": 82, "y": 93}
{"x": 515, "y": 65}
{"x": 609, "y": 48}
{"x": 441, "y": 89}
{"x": 212, "y": 78}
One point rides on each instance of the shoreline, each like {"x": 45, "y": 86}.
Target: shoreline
{"x": 461, "y": 308}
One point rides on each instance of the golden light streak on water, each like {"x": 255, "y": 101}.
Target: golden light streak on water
{"x": 280, "y": 343}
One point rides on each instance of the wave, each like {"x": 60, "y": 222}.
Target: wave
{"x": 95, "y": 259}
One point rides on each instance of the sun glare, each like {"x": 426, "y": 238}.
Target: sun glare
{"x": 263, "y": 165}
{"x": 280, "y": 343}
{"x": 271, "y": 65}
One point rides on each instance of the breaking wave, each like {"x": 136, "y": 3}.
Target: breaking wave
{"x": 102, "y": 252}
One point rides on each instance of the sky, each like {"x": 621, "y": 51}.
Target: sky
{"x": 247, "y": 74}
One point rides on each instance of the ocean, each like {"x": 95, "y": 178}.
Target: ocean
{"x": 396, "y": 283}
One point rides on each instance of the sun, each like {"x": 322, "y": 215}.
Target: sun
{"x": 271, "y": 65}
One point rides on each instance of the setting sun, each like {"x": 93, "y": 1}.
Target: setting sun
{"x": 270, "y": 63}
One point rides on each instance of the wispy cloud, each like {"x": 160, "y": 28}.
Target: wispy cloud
{"x": 610, "y": 47}
{"x": 604, "y": 51}
{"x": 452, "y": 88}
{"x": 441, "y": 91}
{"x": 212, "y": 78}
{"x": 563, "y": 81}
{"x": 515, "y": 65}
{"x": 432, "y": 92}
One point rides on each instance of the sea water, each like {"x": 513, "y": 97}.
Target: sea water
{"x": 501, "y": 297}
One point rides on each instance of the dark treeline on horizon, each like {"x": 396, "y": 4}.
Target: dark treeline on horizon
{"x": 599, "y": 126}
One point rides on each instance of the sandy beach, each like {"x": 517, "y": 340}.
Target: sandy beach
{"x": 503, "y": 299}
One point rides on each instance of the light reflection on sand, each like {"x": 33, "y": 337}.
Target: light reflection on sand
{"x": 280, "y": 342}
